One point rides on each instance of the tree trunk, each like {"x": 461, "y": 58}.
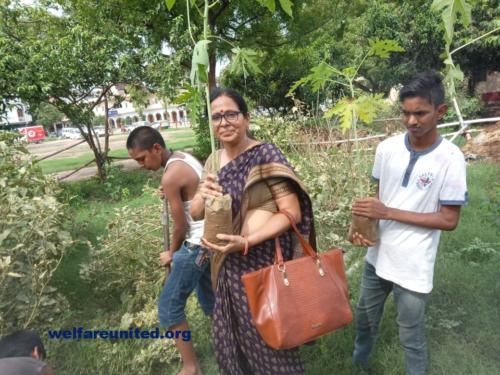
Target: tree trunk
{"x": 100, "y": 157}
{"x": 211, "y": 72}
{"x": 106, "y": 126}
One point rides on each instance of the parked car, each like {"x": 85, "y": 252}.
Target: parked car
{"x": 71, "y": 133}
{"x": 100, "y": 130}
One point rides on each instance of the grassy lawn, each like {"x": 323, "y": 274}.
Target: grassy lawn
{"x": 462, "y": 318}
{"x": 463, "y": 325}
{"x": 177, "y": 139}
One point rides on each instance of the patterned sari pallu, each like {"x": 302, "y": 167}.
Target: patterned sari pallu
{"x": 297, "y": 301}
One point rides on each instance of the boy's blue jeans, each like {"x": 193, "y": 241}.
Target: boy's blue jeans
{"x": 410, "y": 318}
{"x": 185, "y": 277}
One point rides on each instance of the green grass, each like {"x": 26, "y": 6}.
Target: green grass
{"x": 463, "y": 312}
{"x": 462, "y": 317}
{"x": 179, "y": 142}
{"x": 92, "y": 205}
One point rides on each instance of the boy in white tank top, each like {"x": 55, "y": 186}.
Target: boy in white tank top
{"x": 190, "y": 271}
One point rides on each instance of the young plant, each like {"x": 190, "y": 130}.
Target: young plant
{"x": 451, "y": 12}
{"x": 349, "y": 109}
{"x": 243, "y": 59}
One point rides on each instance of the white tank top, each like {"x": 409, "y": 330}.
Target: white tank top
{"x": 194, "y": 228}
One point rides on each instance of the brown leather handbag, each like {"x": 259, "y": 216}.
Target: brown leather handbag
{"x": 297, "y": 301}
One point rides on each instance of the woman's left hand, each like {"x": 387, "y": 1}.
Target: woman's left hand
{"x": 235, "y": 244}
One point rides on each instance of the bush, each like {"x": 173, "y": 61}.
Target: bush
{"x": 126, "y": 265}
{"x": 119, "y": 186}
{"x": 32, "y": 240}
{"x": 477, "y": 251}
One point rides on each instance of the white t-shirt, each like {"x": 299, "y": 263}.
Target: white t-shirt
{"x": 417, "y": 181}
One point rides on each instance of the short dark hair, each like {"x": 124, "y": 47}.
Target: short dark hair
{"x": 144, "y": 138}
{"x": 21, "y": 344}
{"x": 217, "y": 92}
{"x": 427, "y": 85}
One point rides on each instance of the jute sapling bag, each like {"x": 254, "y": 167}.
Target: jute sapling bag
{"x": 365, "y": 226}
{"x": 218, "y": 212}
{"x": 218, "y": 218}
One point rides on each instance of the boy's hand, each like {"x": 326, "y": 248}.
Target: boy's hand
{"x": 166, "y": 257}
{"x": 358, "y": 240}
{"x": 161, "y": 194}
{"x": 371, "y": 208}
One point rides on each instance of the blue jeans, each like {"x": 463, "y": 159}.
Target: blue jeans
{"x": 410, "y": 318}
{"x": 185, "y": 277}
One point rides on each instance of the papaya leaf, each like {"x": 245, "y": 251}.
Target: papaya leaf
{"x": 269, "y": 4}
{"x": 349, "y": 72}
{"x": 456, "y": 73}
{"x": 286, "y": 5}
{"x": 318, "y": 77}
{"x": 202, "y": 73}
{"x": 187, "y": 93}
{"x": 368, "y": 106}
{"x": 383, "y": 48}
{"x": 243, "y": 61}
{"x": 170, "y": 4}
{"x": 297, "y": 84}
{"x": 344, "y": 110}
{"x": 450, "y": 10}
{"x": 200, "y": 57}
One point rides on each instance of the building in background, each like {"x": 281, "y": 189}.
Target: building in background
{"x": 489, "y": 89}
{"x": 124, "y": 114}
{"x": 16, "y": 116}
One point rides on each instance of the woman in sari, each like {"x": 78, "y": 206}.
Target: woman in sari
{"x": 260, "y": 182}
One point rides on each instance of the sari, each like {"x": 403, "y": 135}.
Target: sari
{"x": 238, "y": 346}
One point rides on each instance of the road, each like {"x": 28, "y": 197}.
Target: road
{"x": 116, "y": 142}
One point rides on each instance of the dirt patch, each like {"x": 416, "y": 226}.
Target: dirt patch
{"x": 486, "y": 145}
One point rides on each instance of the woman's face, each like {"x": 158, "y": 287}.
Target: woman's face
{"x": 230, "y": 126}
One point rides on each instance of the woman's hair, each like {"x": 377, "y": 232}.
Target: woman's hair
{"x": 217, "y": 92}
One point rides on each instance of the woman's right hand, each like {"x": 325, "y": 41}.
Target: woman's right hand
{"x": 210, "y": 188}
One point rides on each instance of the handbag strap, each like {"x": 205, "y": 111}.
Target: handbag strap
{"x": 278, "y": 259}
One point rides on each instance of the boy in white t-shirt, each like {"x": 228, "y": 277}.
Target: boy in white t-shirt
{"x": 421, "y": 188}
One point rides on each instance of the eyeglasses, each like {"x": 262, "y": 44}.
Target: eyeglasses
{"x": 230, "y": 116}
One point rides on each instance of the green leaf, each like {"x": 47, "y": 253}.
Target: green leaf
{"x": 319, "y": 76}
{"x": 170, "y": 4}
{"x": 383, "y": 48}
{"x": 187, "y": 94}
{"x": 243, "y": 62}
{"x": 269, "y": 4}
{"x": 450, "y": 11}
{"x": 200, "y": 57}
{"x": 368, "y": 106}
{"x": 456, "y": 73}
{"x": 344, "y": 109}
{"x": 286, "y": 5}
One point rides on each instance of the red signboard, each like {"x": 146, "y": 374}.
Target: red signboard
{"x": 33, "y": 133}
